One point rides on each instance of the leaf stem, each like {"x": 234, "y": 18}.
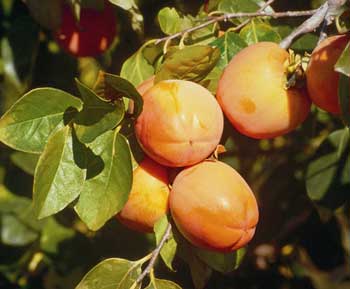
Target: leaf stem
{"x": 154, "y": 255}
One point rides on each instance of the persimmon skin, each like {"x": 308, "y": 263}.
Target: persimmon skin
{"x": 213, "y": 207}
{"x": 322, "y": 80}
{"x": 181, "y": 123}
{"x": 252, "y": 95}
{"x": 91, "y": 35}
{"x": 148, "y": 198}
{"x": 145, "y": 85}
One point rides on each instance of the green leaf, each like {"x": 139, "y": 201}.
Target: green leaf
{"x": 344, "y": 97}
{"x": 190, "y": 63}
{"x": 97, "y": 115}
{"x": 53, "y": 234}
{"x": 229, "y": 44}
{"x": 169, "y": 20}
{"x": 162, "y": 284}
{"x": 235, "y": 6}
{"x": 27, "y": 125}
{"x": 136, "y": 68}
{"x": 257, "y": 32}
{"x": 27, "y": 162}
{"x": 104, "y": 194}
{"x": 168, "y": 250}
{"x": 47, "y": 13}
{"x": 200, "y": 271}
{"x": 343, "y": 63}
{"x": 328, "y": 177}
{"x": 15, "y": 233}
{"x": 119, "y": 87}
{"x": 19, "y": 225}
{"x": 124, "y": 4}
{"x": 221, "y": 262}
{"x": 111, "y": 274}
{"x": 58, "y": 178}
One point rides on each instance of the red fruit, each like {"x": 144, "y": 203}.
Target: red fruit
{"x": 252, "y": 95}
{"x": 322, "y": 80}
{"x": 91, "y": 35}
{"x": 213, "y": 207}
{"x": 148, "y": 198}
{"x": 181, "y": 123}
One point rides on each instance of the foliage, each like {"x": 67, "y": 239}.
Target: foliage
{"x": 68, "y": 149}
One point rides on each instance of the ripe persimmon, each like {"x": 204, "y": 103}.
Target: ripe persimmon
{"x": 181, "y": 123}
{"x": 91, "y": 35}
{"x": 322, "y": 79}
{"x": 213, "y": 206}
{"x": 148, "y": 198}
{"x": 252, "y": 93}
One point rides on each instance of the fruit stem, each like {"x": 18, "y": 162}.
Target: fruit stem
{"x": 154, "y": 255}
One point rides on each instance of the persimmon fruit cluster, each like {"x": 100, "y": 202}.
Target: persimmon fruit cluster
{"x": 91, "y": 35}
{"x": 181, "y": 125}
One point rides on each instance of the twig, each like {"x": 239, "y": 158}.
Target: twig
{"x": 227, "y": 16}
{"x": 245, "y": 22}
{"x": 155, "y": 255}
{"x": 308, "y": 26}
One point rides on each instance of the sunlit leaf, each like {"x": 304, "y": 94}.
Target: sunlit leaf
{"x": 190, "y": 63}
{"x": 168, "y": 251}
{"x": 162, "y": 284}
{"x": 27, "y": 125}
{"x": 111, "y": 274}
{"x": 344, "y": 97}
{"x": 343, "y": 63}
{"x": 108, "y": 182}
{"x": 229, "y": 44}
{"x": 97, "y": 115}
{"x": 113, "y": 87}
{"x": 257, "y": 32}
{"x": 136, "y": 68}
{"x": 59, "y": 174}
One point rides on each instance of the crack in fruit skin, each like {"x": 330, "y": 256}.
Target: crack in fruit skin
{"x": 251, "y": 93}
{"x": 91, "y": 36}
{"x": 181, "y": 123}
{"x": 213, "y": 207}
{"x": 148, "y": 199}
{"x": 322, "y": 80}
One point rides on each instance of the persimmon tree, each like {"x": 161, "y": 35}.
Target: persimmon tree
{"x": 235, "y": 114}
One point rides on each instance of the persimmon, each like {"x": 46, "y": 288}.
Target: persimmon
{"x": 181, "y": 123}
{"x": 213, "y": 206}
{"x": 322, "y": 79}
{"x": 91, "y": 35}
{"x": 252, "y": 93}
{"x": 148, "y": 198}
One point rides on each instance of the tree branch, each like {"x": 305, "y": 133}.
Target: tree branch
{"x": 308, "y": 26}
{"x": 228, "y": 16}
{"x": 155, "y": 255}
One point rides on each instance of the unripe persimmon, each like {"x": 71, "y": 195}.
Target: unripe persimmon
{"x": 252, "y": 94}
{"x": 181, "y": 123}
{"x": 91, "y": 35}
{"x": 213, "y": 207}
{"x": 148, "y": 198}
{"x": 322, "y": 79}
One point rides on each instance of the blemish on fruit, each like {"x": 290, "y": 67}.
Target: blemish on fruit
{"x": 247, "y": 105}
